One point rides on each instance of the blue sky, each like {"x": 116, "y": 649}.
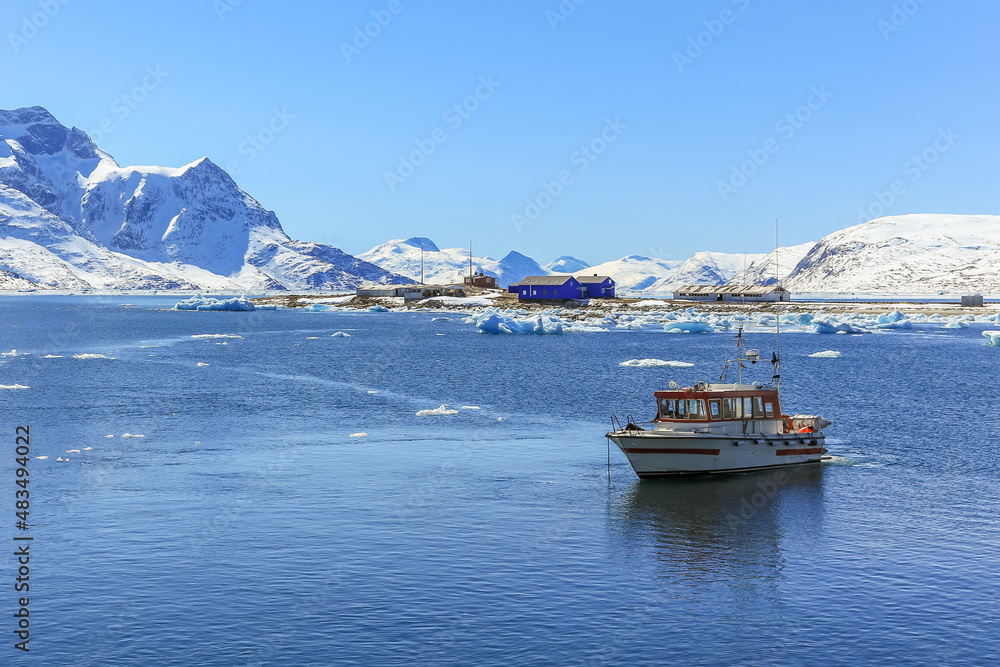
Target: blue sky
{"x": 597, "y": 129}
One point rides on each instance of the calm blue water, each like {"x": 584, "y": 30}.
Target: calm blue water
{"x": 246, "y": 527}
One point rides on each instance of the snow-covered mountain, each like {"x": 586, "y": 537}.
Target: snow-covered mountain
{"x": 906, "y": 253}
{"x": 403, "y": 257}
{"x": 567, "y": 264}
{"x": 704, "y": 268}
{"x": 72, "y": 218}
{"x": 635, "y": 272}
{"x": 761, "y": 271}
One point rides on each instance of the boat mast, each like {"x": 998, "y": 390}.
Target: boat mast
{"x": 777, "y": 314}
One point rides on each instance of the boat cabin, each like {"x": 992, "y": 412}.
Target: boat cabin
{"x": 729, "y": 407}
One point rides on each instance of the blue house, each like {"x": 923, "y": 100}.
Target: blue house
{"x": 597, "y": 287}
{"x": 549, "y": 287}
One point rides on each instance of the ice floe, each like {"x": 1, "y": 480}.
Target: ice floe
{"x": 437, "y": 412}
{"x": 41, "y": 458}
{"x": 206, "y": 336}
{"x": 440, "y": 319}
{"x": 361, "y": 434}
{"x": 52, "y": 356}
{"x": 202, "y": 363}
{"x": 992, "y": 338}
{"x": 131, "y": 435}
{"x": 471, "y": 407}
{"x": 199, "y": 302}
{"x": 493, "y": 321}
{"x": 826, "y": 354}
{"x": 377, "y": 308}
{"x": 13, "y": 386}
{"x": 90, "y": 355}
{"x": 654, "y": 363}
{"x": 340, "y": 334}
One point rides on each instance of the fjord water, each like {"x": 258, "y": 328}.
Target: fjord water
{"x": 248, "y": 527}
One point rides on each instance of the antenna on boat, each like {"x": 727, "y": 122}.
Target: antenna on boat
{"x": 776, "y": 357}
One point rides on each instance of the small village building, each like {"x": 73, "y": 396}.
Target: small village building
{"x": 972, "y": 301}
{"x": 411, "y": 292}
{"x": 597, "y": 287}
{"x": 480, "y": 279}
{"x": 737, "y": 293}
{"x": 549, "y": 287}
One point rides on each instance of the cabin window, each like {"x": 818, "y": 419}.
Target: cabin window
{"x": 747, "y": 407}
{"x": 681, "y": 410}
{"x": 769, "y": 409}
{"x": 714, "y": 408}
{"x": 758, "y": 407}
{"x": 696, "y": 409}
{"x": 667, "y": 408}
{"x": 727, "y": 408}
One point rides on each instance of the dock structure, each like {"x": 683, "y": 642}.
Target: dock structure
{"x": 738, "y": 293}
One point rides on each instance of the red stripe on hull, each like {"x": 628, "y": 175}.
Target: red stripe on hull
{"x": 707, "y": 452}
{"x": 796, "y": 452}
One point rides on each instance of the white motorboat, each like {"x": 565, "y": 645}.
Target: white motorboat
{"x": 720, "y": 428}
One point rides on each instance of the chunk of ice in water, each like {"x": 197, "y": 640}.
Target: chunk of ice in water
{"x": 360, "y": 434}
{"x": 654, "y": 363}
{"x": 340, "y": 334}
{"x": 437, "y": 412}
{"x": 992, "y": 338}
{"x": 826, "y": 354}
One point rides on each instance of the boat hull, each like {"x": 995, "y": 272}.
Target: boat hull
{"x": 666, "y": 454}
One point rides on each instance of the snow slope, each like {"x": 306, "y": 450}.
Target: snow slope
{"x": 761, "y": 271}
{"x": 71, "y": 217}
{"x": 403, "y": 256}
{"x": 635, "y": 272}
{"x": 906, "y": 253}
{"x": 567, "y": 264}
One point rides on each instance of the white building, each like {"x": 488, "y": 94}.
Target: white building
{"x": 737, "y": 293}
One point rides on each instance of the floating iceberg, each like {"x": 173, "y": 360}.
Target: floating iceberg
{"x": 13, "y": 386}
{"x": 826, "y": 354}
{"x": 494, "y": 322}
{"x": 362, "y": 434}
{"x": 992, "y": 338}
{"x": 471, "y": 407}
{"x": 340, "y": 334}
{"x": 378, "y": 308}
{"x": 653, "y": 363}
{"x": 130, "y": 435}
{"x": 437, "y": 412}
{"x": 440, "y": 319}
{"x": 957, "y": 324}
{"x": 240, "y": 303}
{"x": 689, "y": 326}
{"x": 89, "y": 355}
{"x": 216, "y": 336}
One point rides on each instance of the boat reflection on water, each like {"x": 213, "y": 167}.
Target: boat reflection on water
{"x": 720, "y": 535}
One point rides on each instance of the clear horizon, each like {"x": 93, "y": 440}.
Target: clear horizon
{"x": 548, "y": 128}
